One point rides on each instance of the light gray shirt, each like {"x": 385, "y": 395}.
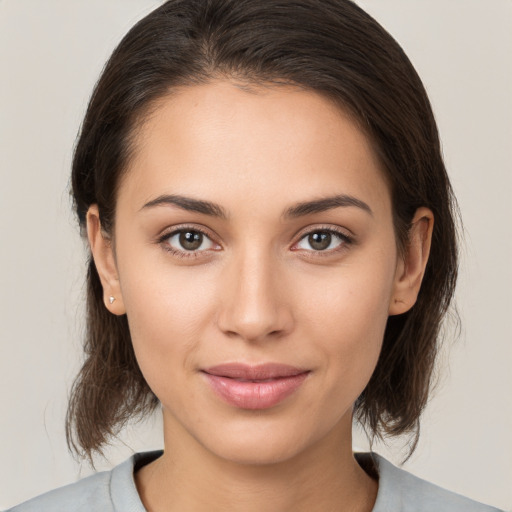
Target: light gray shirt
{"x": 115, "y": 491}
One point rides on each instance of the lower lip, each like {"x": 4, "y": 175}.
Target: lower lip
{"x": 255, "y": 395}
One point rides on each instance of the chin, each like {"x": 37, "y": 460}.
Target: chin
{"x": 251, "y": 453}
{"x": 262, "y": 442}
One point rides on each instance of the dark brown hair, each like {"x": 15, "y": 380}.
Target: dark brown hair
{"x": 329, "y": 46}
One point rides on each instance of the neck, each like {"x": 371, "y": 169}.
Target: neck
{"x": 324, "y": 477}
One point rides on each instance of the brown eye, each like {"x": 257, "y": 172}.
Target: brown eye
{"x": 190, "y": 240}
{"x": 320, "y": 240}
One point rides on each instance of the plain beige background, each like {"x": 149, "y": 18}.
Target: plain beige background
{"x": 51, "y": 53}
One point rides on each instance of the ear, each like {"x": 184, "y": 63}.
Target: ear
{"x": 104, "y": 259}
{"x": 411, "y": 266}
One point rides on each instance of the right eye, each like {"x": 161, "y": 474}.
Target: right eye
{"x": 187, "y": 242}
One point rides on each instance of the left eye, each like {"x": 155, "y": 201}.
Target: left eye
{"x": 321, "y": 241}
{"x": 189, "y": 240}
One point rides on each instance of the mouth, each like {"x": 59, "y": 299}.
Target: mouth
{"x": 254, "y": 387}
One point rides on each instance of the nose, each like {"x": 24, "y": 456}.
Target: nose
{"x": 254, "y": 304}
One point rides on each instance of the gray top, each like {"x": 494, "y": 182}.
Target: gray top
{"x": 115, "y": 491}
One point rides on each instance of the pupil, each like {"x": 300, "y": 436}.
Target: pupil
{"x": 320, "y": 241}
{"x": 191, "y": 240}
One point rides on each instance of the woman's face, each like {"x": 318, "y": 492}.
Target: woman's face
{"x": 256, "y": 261}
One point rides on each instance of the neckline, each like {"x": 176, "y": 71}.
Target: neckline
{"x": 125, "y": 497}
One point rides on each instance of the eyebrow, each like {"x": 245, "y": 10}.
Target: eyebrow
{"x": 325, "y": 204}
{"x": 298, "y": 210}
{"x": 189, "y": 204}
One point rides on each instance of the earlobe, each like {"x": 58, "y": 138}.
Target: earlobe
{"x": 104, "y": 259}
{"x": 411, "y": 267}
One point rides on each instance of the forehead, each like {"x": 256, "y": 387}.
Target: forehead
{"x": 218, "y": 138}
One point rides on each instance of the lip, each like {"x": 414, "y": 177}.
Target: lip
{"x": 254, "y": 387}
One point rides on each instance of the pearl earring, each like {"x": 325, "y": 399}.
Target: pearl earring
{"x": 111, "y": 299}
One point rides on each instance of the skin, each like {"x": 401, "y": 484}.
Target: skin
{"x": 256, "y": 291}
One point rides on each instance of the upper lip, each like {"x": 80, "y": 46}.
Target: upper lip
{"x": 254, "y": 372}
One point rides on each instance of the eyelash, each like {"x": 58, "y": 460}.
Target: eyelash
{"x": 345, "y": 240}
{"x": 162, "y": 240}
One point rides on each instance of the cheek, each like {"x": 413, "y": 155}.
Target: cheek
{"x": 348, "y": 313}
{"x": 353, "y": 300}
{"x": 167, "y": 309}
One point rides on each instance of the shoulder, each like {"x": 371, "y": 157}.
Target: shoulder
{"x": 108, "y": 491}
{"x": 402, "y": 491}
{"x": 88, "y": 494}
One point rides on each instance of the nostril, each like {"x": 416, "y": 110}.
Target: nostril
{"x": 253, "y": 316}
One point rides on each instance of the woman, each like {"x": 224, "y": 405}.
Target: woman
{"x": 273, "y": 250}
